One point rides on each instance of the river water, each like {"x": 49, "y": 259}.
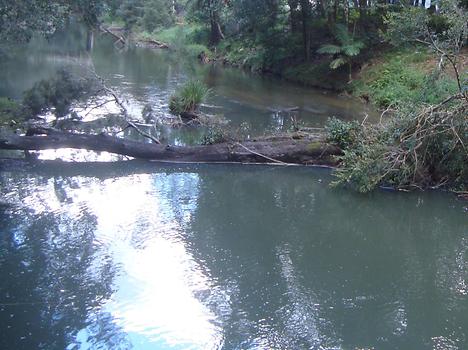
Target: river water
{"x": 149, "y": 256}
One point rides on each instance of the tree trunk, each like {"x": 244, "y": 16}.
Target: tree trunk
{"x": 311, "y": 150}
{"x": 89, "y": 40}
{"x": 305, "y": 8}
{"x": 216, "y": 34}
{"x": 294, "y": 16}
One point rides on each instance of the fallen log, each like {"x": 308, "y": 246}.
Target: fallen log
{"x": 118, "y": 37}
{"x": 308, "y": 151}
{"x": 153, "y": 44}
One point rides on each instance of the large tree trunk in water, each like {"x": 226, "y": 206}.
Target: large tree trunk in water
{"x": 311, "y": 150}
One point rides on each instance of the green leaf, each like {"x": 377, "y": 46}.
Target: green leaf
{"x": 342, "y": 34}
{"x": 336, "y": 63}
{"x": 329, "y": 49}
{"x": 353, "y": 49}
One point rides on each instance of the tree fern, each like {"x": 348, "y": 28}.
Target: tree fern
{"x": 353, "y": 49}
{"x": 337, "y": 62}
{"x": 329, "y": 49}
{"x": 343, "y": 52}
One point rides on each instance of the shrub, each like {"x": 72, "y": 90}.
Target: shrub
{"x": 56, "y": 94}
{"x": 194, "y": 51}
{"x": 213, "y": 136}
{"x": 418, "y": 148}
{"x": 9, "y": 110}
{"x": 187, "y": 39}
{"x": 342, "y": 133}
{"x": 187, "y": 99}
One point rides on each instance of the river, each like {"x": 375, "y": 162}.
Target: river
{"x": 152, "y": 256}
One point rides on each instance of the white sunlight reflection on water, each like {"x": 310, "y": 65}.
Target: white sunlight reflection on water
{"x": 154, "y": 300}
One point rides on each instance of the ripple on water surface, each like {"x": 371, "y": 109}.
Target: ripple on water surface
{"x": 232, "y": 258}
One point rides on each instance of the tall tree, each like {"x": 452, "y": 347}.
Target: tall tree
{"x": 20, "y": 19}
{"x": 210, "y": 10}
{"x": 306, "y": 17}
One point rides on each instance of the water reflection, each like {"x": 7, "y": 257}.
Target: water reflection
{"x": 231, "y": 258}
{"x": 148, "y": 78}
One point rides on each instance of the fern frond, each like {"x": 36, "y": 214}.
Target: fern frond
{"x": 342, "y": 34}
{"x": 353, "y": 49}
{"x": 329, "y": 49}
{"x": 338, "y": 62}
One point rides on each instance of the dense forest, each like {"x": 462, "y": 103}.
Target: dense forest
{"x": 407, "y": 58}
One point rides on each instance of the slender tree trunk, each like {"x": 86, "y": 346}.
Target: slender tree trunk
{"x": 305, "y": 8}
{"x": 294, "y": 16}
{"x": 335, "y": 10}
{"x": 89, "y": 40}
{"x": 362, "y": 12}
{"x": 216, "y": 34}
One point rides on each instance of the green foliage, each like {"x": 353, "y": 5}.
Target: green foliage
{"x": 188, "y": 98}
{"x": 342, "y": 133}
{"x": 403, "y": 79}
{"x": 182, "y": 38}
{"x": 157, "y": 14}
{"x": 89, "y": 10}
{"x": 406, "y": 25}
{"x": 194, "y": 51}
{"x": 213, "y": 136}
{"x": 347, "y": 49}
{"x": 329, "y": 49}
{"x": 9, "y": 110}
{"x": 131, "y": 12}
{"x": 20, "y": 19}
{"x": 446, "y": 31}
{"x": 55, "y": 95}
{"x": 418, "y": 148}
{"x": 318, "y": 75}
{"x": 244, "y": 54}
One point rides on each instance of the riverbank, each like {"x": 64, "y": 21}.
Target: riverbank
{"x": 387, "y": 77}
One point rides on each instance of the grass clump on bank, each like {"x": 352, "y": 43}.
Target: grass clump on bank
{"x": 402, "y": 76}
{"x": 188, "y": 98}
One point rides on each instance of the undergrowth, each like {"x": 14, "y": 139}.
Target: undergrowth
{"x": 425, "y": 147}
{"x": 402, "y": 78}
{"x": 9, "y": 111}
{"x": 187, "y": 39}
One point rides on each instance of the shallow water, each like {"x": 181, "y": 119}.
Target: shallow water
{"x": 149, "y": 77}
{"x": 148, "y": 256}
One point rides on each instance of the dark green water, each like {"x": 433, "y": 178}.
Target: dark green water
{"x": 141, "y": 256}
{"x": 230, "y": 257}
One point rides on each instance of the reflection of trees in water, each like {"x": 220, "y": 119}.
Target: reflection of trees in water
{"x": 360, "y": 270}
{"x": 53, "y": 275}
{"x": 292, "y": 263}
{"x": 180, "y": 191}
